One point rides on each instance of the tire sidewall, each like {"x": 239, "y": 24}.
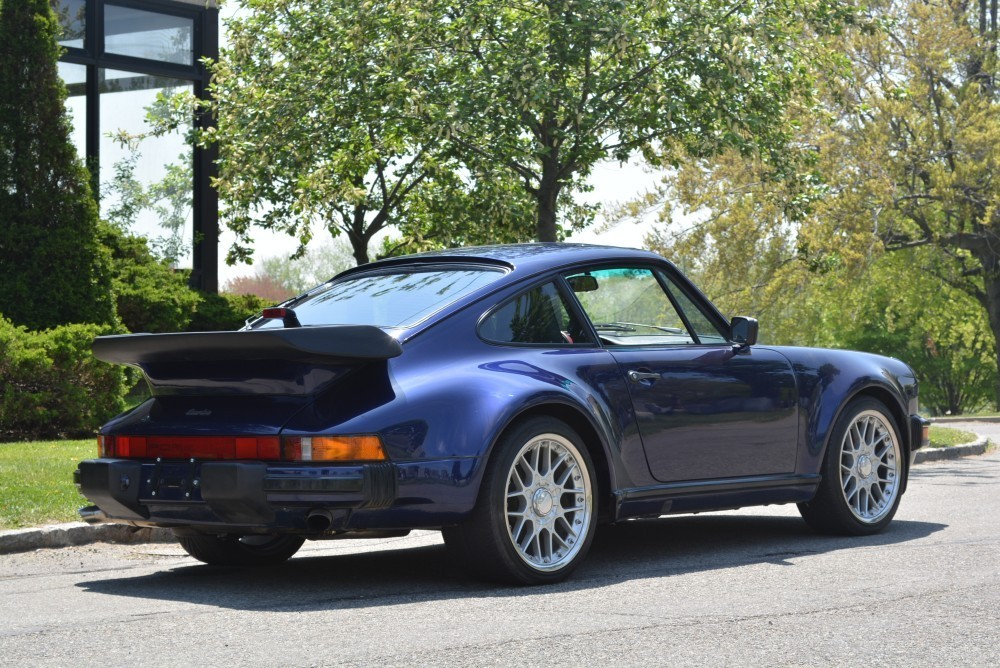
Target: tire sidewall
{"x": 832, "y": 481}
{"x": 492, "y": 500}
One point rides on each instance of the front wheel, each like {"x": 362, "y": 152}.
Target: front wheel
{"x": 863, "y": 473}
{"x": 246, "y": 551}
{"x": 535, "y": 517}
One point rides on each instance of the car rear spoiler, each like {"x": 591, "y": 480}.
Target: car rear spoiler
{"x": 290, "y": 361}
{"x": 317, "y": 345}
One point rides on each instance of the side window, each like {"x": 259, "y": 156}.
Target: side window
{"x": 707, "y": 331}
{"x": 537, "y": 316}
{"x": 628, "y": 306}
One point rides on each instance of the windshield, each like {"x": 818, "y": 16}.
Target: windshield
{"x": 398, "y": 297}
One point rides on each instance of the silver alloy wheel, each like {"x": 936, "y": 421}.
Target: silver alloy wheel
{"x": 549, "y": 502}
{"x": 869, "y": 467}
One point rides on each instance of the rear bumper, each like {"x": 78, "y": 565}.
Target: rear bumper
{"x": 919, "y": 432}
{"x": 234, "y": 494}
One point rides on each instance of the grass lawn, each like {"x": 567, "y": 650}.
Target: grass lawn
{"x": 36, "y": 482}
{"x": 943, "y": 437}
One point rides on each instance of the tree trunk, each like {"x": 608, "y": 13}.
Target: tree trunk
{"x": 547, "y": 196}
{"x": 991, "y": 288}
{"x": 358, "y": 237}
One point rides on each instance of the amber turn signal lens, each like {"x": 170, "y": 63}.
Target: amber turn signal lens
{"x": 334, "y": 448}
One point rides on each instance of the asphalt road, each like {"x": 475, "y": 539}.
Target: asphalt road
{"x": 753, "y": 587}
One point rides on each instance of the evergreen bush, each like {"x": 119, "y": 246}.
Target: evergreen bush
{"x": 53, "y": 386}
{"x": 150, "y": 295}
{"x": 225, "y": 312}
{"x": 54, "y": 268}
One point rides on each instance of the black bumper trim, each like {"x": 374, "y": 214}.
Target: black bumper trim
{"x": 917, "y": 438}
{"x": 379, "y": 486}
{"x": 238, "y": 493}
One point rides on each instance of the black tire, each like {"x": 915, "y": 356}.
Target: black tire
{"x": 864, "y": 471}
{"x": 244, "y": 551}
{"x": 534, "y": 521}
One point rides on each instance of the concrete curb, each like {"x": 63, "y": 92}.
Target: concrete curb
{"x": 964, "y": 418}
{"x": 80, "y": 533}
{"x": 977, "y": 447}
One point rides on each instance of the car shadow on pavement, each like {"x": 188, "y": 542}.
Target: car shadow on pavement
{"x": 632, "y": 550}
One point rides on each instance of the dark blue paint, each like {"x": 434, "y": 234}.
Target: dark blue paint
{"x": 743, "y": 427}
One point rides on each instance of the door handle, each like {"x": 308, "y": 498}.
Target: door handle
{"x": 639, "y": 376}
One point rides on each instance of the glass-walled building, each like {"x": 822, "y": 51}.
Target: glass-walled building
{"x": 123, "y": 61}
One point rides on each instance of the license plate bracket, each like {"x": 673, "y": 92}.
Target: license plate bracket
{"x": 173, "y": 481}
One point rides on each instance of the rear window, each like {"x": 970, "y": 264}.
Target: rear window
{"x": 390, "y": 298}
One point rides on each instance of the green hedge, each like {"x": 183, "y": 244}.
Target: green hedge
{"x": 224, "y": 312}
{"x": 52, "y": 386}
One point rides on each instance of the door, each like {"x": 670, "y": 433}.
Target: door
{"x": 705, "y": 410}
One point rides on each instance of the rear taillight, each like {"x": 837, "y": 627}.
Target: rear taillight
{"x": 362, "y": 448}
{"x": 333, "y": 448}
{"x": 188, "y": 447}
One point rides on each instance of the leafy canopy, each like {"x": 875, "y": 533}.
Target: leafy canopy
{"x": 548, "y": 88}
{"x": 896, "y": 152}
{"x": 478, "y": 121}
{"x": 322, "y": 124}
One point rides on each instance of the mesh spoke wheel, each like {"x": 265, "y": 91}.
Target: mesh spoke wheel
{"x": 863, "y": 475}
{"x": 536, "y": 511}
{"x": 549, "y": 502}
{"x": 869, "y": 461}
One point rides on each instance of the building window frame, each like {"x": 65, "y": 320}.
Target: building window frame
{"x": 205, "y": 35}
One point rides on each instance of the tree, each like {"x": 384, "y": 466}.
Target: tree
{"x": 929, "y": 114}
{"x": 169, "y": 199}
{"x": 322, "y": 122}
{"x": 938, "y": 330}
{"x": 54, "y": 269}
{"x": 900, "y": 152}
{"x": 548, "y": 88}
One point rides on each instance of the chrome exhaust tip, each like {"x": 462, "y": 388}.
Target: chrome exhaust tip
{"x": 93, "y": 515}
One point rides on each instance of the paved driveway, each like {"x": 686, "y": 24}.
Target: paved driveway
{"x": 747, "y": 588}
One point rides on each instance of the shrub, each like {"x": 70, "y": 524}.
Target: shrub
{"x": 52, "y": 384}
{"x": 150, "y": 295}
{"x": 225, "y": 311}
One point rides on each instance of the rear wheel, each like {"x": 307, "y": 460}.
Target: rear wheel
{"x": 235, "y": 550}
{"x": 862, "y": 473}
{"x": 535, "y": 518}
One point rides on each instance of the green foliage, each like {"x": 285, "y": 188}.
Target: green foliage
{"x": 54, "y": 269}
{"x": 150, "y": 295}
{"x": 53, "y": 385}
{"x": 938, "y": 330}
{"x": 322, "y": 125}
{"x": 479, "y": 122}
{"x": 548, "y": 89}
{"x": 914, "y": 152}
{"x": 225, "y": 312}
{"x": 36, "y": 482}
{"x": 896, "y": 151}
{"x": 170, "y": 199}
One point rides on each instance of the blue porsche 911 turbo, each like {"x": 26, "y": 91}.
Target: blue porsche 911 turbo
{"x": 512, "y": 397}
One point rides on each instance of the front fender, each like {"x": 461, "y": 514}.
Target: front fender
{"x": 829, "y": 379}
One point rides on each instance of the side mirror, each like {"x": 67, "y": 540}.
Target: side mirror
{"x": 743, "y": 331}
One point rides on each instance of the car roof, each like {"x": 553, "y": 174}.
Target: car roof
{"x": 519, "y": 262}
{"x": 521, "y": 259}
